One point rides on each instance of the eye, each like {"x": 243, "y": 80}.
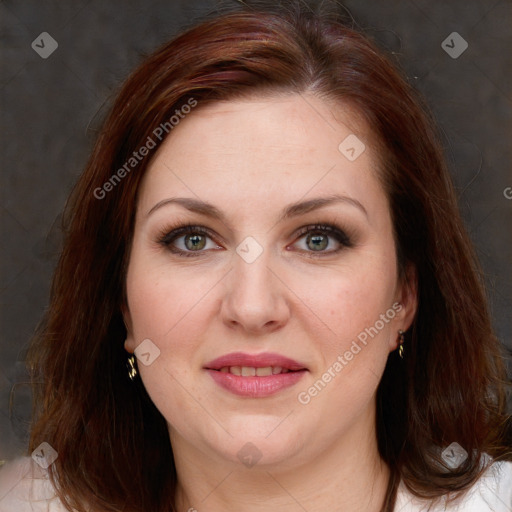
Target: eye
{"x": 192, "y": 240}
{"x": 323, "y": 239}
{"x": 187, "y": 240}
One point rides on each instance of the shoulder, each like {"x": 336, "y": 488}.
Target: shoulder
{"x": 25, "y": 487}
{"x": 491, "y": 493}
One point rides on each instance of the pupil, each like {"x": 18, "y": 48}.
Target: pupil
{"x": 317, "y": 242}
{"x": 194, "y": 242}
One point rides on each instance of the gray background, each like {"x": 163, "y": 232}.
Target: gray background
{"x": 51, "y": 109}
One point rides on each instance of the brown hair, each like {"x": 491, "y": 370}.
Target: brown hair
{"x": 113, "y": 444}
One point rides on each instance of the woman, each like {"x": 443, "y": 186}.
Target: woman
{"x": 266, "y": 298}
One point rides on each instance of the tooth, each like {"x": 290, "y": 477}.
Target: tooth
{"x": 285, "y": 370}
{"x": 224, "y": 369}
{"x": 263, "y": 372}
{"x": 276, "y": 370}
{"x": 247, "y": 371}
{"x": 235, "y": 370}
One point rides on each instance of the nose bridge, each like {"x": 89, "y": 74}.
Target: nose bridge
{"x": 254, "y": 298}
{"x": 252, "y": 278}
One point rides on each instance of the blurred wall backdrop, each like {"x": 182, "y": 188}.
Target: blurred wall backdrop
{"x": 61, "y": 63}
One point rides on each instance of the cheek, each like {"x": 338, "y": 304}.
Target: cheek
{"x": 353, "y": 337}
{"x": 171, "y": 313}
{"x": 163, "y": 300}
{"x": 343, "y": 303}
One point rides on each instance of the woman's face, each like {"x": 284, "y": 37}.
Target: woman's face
{"x": 271, "y": 319}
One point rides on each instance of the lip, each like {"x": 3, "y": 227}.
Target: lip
{"x": 255, "y": 361}
{"x": 255, "y": 387}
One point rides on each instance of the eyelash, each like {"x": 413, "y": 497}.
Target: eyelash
{"x": 170, "y": 234}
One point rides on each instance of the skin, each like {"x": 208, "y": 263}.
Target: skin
{"x": 251, "y": 158}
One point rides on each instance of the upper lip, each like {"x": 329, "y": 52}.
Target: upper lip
{"x": 254, "y": 361}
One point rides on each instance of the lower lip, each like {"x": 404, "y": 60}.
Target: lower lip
{"x": 256, "y": 387}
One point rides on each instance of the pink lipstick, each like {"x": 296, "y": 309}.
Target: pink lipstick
{"x": 255, "y": 376}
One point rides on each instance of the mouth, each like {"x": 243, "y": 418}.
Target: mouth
{"x": 255, "y": 376}
{"x": 276, "y": 362}
{"x": 252, "y": 371}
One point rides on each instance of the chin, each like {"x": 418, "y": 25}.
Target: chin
{"x": 262, "y": 441}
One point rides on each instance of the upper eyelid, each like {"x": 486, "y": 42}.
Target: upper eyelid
{"x": 186, "y": 229}
{"x": 181, "y": 230}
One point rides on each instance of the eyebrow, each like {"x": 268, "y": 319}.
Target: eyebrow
{"x": 292, "y": 210}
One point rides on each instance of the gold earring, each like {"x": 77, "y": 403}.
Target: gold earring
{"x": 132, "y": 367}
{"x": 401, "y": 338}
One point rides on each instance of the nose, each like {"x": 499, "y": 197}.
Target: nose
{"x": 255, "y": 299}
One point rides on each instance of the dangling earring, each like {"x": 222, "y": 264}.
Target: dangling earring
{"x": 401, "y": 339}
{"x": 132, "y": 367}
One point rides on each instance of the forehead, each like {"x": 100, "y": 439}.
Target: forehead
{"x": 264, "y": 149}
{"x": 294, "y": 126}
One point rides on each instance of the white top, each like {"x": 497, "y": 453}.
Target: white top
{"x": 24, "y": 487}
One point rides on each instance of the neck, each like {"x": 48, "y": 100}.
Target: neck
{"x": 350, "y": 472}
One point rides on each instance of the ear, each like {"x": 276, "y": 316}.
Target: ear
{"x": 407, "y": 296}
{"x": 129, "y": 344}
